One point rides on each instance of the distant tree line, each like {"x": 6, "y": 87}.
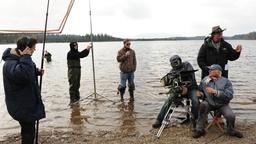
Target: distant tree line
{"x": 6, "y": 38}
{"x": 249, "y": 36}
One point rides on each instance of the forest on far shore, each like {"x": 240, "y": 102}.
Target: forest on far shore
{"x": 7, "y": 38}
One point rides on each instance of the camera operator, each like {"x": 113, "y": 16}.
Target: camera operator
{"x": 190, "y": 91}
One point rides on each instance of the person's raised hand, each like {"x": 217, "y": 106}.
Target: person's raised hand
{"x": 127, "y": 53}
{"x": 26, "y": 51}
{"x": 238, "y": 48}
{"x": 89, "y": 46}
{"x": 41, "y": 71}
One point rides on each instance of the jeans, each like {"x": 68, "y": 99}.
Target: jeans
{"x": 168, "y": 102}
{"x": 27, "y": 132}
{"x": 127, "y": 76}
{"x": 225, "y": 110}
{"x": 195, "y": 104}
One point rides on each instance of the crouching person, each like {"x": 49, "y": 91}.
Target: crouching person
{"x": 187, "y": 91}
{"x": 218, "y": 92}
{"x": 22, "y": 94}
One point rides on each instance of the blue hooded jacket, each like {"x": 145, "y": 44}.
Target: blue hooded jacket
{"x": 22, "y": 94}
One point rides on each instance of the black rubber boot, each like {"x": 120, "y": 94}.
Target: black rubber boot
{"x": 157, "y": 124}
{"x": 131, "y": 92}
{"x": 121, "y": 92}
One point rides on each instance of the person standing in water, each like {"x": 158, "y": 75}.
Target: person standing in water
{"x": 22, "y": 93}
{"x": 127, "y": 59}
{"x": 48, "y": 56}
{"x": 74, "y": 70}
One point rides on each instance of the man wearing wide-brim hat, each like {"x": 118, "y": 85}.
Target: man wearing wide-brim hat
{"x": 216, "y": 50}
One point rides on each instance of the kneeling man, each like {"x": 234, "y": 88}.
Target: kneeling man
{"x": 218, "y": 92}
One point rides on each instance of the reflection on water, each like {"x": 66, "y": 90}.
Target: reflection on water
{"x": 76, "y": 117}
{"x": 153, "y": 63}
{"x": 128, "y": 118}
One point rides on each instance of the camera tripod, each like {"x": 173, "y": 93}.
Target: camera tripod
{"x": 171, "y": 111}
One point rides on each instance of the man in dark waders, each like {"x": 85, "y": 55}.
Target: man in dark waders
{"x": 74, "y": 70}
{"x": 127, "y": 59}
{"x": 22, "y": 93}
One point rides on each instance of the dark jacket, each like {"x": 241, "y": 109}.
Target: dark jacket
{"x": 224, "y": 91}
{"x": 209, "y": 55}
{"x": 128, "y": 63}
{"x": 186, "y": 66}
{"x": 22, "y": 94}
{"x": 74, "y": 56}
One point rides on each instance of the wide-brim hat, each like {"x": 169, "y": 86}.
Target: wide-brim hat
{"x": 217, "y": 29}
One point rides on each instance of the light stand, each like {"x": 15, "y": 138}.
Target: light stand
{"x": 94, "y": 94}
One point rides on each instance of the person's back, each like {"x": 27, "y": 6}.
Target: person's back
{"x": 22, "y": 94}
{"x": 20, "y": 84}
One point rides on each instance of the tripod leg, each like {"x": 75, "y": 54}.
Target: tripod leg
{"x": 166, "y": 120}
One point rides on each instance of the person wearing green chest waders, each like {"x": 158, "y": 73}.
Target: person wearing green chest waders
{"x": 74, "y": 70}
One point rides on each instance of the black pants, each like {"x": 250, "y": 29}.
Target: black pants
{"x": 74, "y": 76}
{"x": 27, "y": 132}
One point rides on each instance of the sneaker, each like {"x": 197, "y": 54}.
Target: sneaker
{"x": 157, "y": 124}
{"x": 236, "y": 134}
{"x": 198, "y": 134}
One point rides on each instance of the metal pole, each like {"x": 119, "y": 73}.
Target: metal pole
{"x": 42, "y": 64}
{"x": 93, "y": 67}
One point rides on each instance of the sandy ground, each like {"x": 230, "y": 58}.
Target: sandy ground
{"x": 175, "y": 134}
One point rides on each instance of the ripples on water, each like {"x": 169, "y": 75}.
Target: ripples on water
{"x": 128, "y": 118}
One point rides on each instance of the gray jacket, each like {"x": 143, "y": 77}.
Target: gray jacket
{"x": 224, "y": 91}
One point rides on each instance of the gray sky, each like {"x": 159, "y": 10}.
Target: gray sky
{"x": 140, "y": 18}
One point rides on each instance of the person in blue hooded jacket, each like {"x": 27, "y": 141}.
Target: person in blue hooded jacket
{"x": 22, "y": 93}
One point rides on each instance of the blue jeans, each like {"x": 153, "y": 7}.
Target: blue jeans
{"x": 168, "y": 102}
{"x": 124, "y": 77}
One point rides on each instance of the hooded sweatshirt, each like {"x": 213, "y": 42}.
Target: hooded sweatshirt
{"x": 74, "y": 56}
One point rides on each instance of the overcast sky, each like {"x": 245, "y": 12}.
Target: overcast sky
{"x": 147, "y": 18}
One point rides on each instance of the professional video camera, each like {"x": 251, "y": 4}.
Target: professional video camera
{"x": 177, "y": 92}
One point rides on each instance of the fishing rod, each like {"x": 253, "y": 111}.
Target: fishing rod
{"x": 42, "y": 63}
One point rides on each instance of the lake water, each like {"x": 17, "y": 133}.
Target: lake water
{"x": 153, "y": 63}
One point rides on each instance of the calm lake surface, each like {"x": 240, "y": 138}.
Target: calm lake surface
{"x": 153, "y": 63}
